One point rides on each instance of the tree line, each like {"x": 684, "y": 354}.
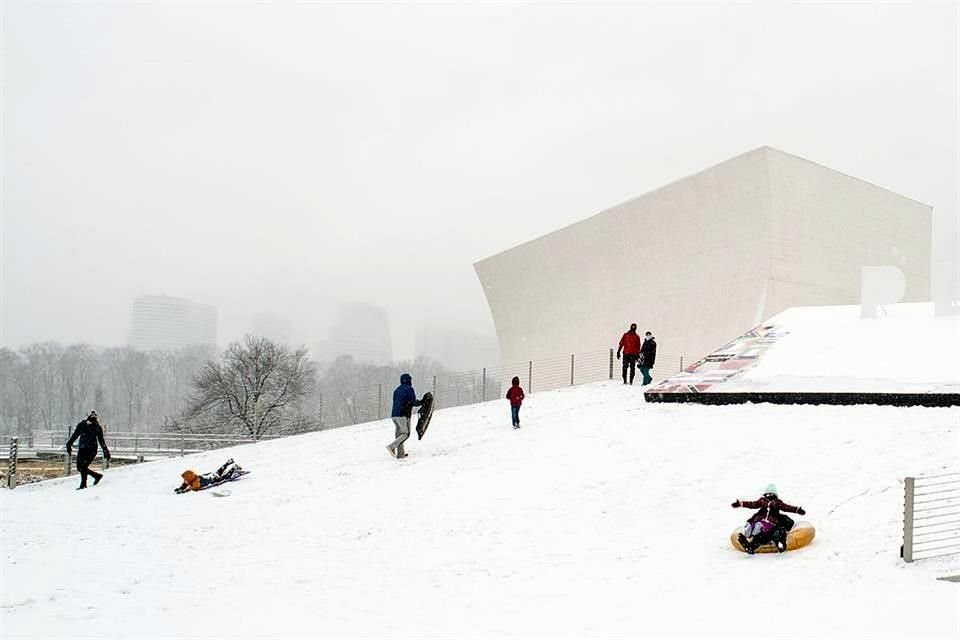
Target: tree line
{"x": 254, "y": 388}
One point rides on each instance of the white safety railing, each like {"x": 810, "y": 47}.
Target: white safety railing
{"x": 931, "y": 516}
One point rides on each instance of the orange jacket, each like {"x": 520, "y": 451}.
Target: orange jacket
{"x": 190, "y": 480}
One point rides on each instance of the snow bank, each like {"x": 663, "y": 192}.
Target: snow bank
{"x": 831, "y": 349}
{"x": 602, "y": 517}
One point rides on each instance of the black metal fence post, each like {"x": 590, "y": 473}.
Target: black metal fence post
{"x": 12, "y": 471}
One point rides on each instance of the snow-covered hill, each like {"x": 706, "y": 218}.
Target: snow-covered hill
{"x": 833, "y": 350}
{"x": 602, "y": 517}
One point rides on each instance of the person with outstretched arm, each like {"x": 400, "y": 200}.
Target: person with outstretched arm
{"x": 404, "y": 400}
{"x": 192, "y": 481}
{"x": 89, "y": 433}
{"x": 768, "y": 524}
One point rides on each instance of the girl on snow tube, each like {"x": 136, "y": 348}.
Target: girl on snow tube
{"x": 768, "y": 524}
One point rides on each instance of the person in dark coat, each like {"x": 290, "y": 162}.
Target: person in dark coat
{"x": 768, "y": 523}
{"x": 648, "y": 357}
{"x": 404, "y": 400}
{"x": 630, "y": 346}
{"x": 90, "y": 433}
{"x": 515, "y": 396}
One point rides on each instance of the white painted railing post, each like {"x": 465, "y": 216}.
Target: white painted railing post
{"x": 908, "y": 490}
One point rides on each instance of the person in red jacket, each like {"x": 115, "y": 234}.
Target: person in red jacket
{"x": 515, "y": 396}
{"x": 630, "y": 345}
{"x": 767, "y": 524}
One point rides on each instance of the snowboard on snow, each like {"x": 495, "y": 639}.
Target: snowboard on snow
{"x": 425, "y": 412}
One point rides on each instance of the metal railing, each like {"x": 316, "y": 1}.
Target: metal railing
{"x": 373, "y": 402}
{"x": 931, "y": 516}
{"x": 42, "y": 453}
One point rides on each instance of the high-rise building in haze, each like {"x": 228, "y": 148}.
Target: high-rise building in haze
{"x": 164, "y": 323}
{"x": 273, "y": 326}
{"x": 458, "y": 350}
{"x": 361, "y": 331}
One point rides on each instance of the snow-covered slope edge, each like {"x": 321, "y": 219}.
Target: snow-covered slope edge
{"x": 602, "y": 516}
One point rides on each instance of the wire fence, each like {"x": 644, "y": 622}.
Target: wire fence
{"x": 39, "y": 455}
{"x": 374, "y": 402}
{"x": 931, "y": 516}
{"x": 42, "y": 455}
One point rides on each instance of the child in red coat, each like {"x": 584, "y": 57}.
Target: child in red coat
{"x": 515, "y": 396}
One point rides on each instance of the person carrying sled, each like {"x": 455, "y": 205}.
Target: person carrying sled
{"x": 90, "y": 433}
{"x": 648, "y": 356}
{"x": 404, "y": 400}
{"x": 515, "y": 396}
{"x": 630, "y": 346}
{"x": 768, "y": 524}
{"x": 229, "y": 470}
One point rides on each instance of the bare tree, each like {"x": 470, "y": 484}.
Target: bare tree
{"x": 256, "y": 388}
{"x": 77, "y": 364}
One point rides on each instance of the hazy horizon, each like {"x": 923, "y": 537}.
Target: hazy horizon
{"x": 288, "y": 158}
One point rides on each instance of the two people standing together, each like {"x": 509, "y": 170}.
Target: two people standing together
{"x": 637, "y": 352}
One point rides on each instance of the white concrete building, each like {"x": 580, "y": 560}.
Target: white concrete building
{"x": 702, "y": 260}
{"x": 166, "y": 324}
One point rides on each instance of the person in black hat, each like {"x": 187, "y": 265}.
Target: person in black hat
{"x": 90, "y": 433}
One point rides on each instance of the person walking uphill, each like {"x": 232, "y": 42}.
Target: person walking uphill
{"x": 648, "y": 357}
{"x": 515, "y": 396}
{"x": 90, "y": 433}
{"x": 630, "y": 346}
{"x": 404, "y": 400}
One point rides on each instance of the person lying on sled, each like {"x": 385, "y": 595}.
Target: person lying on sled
{"x": 229, "y": 470}
{"x": 768, "y": 524}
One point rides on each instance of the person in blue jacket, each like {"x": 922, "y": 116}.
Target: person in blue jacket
{"x": 404, "y": 400}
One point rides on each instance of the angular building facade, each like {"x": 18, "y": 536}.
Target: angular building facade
{"x": 702, "y": 260}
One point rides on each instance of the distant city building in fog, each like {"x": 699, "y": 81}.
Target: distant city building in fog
{"x": 164, "y": 323}
{"x": 273, "y": 326}
{"x": 458, "y": 350}
{"x": 361, "y": 331}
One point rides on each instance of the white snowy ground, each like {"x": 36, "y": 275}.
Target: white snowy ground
{"x": 603, "y": 517}
{"x": 908, "y": 350}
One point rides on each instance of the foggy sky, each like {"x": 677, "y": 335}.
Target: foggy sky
{"x": 285, "y": 157}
